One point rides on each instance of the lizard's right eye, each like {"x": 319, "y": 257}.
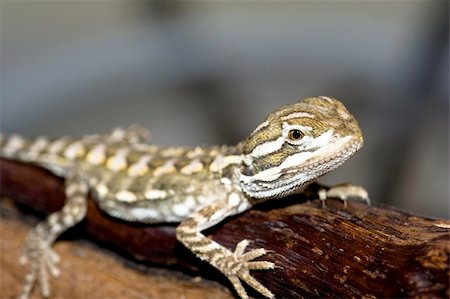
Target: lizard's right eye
{"x": 295, "y": 135}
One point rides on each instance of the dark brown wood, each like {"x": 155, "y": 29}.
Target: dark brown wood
{"x": 358, "y": 251}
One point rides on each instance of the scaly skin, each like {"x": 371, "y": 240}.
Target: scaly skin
{"x": 198, "y": 187}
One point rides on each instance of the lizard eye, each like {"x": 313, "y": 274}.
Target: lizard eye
{"x": 295, "y": 135}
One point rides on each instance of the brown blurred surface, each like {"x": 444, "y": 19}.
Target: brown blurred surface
{"x": 88, "y": 271}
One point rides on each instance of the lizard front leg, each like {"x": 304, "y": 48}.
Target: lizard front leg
{"x": 234, "y": 265}
{"x": 38, "y": 254}
{"x": 340, "y": 191}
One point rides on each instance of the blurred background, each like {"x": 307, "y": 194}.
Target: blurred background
{"x": 209, "y": 72}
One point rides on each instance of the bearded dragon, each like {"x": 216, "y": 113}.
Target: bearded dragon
{"x": 197, "y": 187}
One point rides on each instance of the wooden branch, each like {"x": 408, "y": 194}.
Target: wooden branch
{"x": 358, "y": 251}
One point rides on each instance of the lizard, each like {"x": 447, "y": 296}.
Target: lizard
{"x": 197, "y": 187}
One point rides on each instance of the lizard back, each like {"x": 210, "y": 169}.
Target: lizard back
{"x": 142, "y": 183}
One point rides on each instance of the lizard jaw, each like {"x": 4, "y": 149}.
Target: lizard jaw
{"x": 293, "y": 179}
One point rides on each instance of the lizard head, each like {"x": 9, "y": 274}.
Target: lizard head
{"x": 295, "y": 145}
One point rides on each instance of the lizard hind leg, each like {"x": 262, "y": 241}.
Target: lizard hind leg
{"x": 40, "y": 258}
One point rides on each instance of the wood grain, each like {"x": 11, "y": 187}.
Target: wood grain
{"x": 358, "y": 251}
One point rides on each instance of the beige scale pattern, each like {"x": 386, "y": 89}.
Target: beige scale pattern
{"x": 198, "y": 187}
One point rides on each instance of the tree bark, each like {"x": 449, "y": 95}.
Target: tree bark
{"x": 356, "y": 251}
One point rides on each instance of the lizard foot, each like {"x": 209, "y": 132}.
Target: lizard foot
{"x": 42, "y": 261}
{"x": 344, "y": 192}
{"x": 236, "y": 267}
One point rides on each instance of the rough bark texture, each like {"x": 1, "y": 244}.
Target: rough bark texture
{"x": 358, "y": 251}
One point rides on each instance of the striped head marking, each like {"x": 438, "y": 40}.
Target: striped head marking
{"x": 296, "y": 144}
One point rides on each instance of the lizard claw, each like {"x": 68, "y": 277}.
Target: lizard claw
{"x": 344, "y": 192}
{"x": 238, "y": 264}
{"x": 42, "y": 261}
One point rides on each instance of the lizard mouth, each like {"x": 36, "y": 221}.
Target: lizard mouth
{"x": 293, "y": 179}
